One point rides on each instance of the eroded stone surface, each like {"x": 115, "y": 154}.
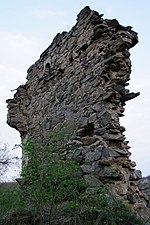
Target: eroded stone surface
{"x": 80, "y": 82}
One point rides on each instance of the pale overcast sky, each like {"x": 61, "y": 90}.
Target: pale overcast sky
{"x": 27, "y": 28}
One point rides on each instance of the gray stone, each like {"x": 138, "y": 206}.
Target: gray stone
{"x": 116, "y": 137}
{"x": 92, "y": 118}
{"x": 93, "y": 156}
{"x": 109, "y": 153}
{"x": 99, "y": 71}
{"x": 96, "y": 107}
{"x": 100, "y": 131}
{"x": 92, "y": 181}
{"x": 83, "y": 121}
{"x": 122, "y": 152}
{"x": 144, "y": 183}
{"x": 74, "y": 153}
{"x": 87, "y": 168}
{"x": 110, "y": 172}
{"x": 135, "y": 175}
{"x": 87, "y": 140}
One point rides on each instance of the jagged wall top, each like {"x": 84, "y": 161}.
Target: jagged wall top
{"x": 94, "y": 51}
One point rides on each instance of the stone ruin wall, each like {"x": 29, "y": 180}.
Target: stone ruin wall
{"x": 80, "y": 81}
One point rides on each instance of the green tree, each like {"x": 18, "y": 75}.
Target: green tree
{"x": 54, "y": 189}
{"x": 49, "y": 180}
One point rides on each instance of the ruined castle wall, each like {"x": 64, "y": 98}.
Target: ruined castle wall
{"x": 80, "y": 82}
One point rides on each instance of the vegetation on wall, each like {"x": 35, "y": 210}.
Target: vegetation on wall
{"x": 53, "y": 192}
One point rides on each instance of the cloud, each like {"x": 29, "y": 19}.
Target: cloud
{"x": 109, "y": 11}
{"x": 136, "y": 121}
{"x": 10, "y": 78}
{"x": 47, "y": 13}
{"x": 17, "y": 50}
{"x": 17, "y": 53}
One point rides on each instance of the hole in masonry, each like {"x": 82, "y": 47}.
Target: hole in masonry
{"x": 87, "y": 130}
{"x": 47, "y": 68}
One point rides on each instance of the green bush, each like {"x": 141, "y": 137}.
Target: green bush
{"x": 54, "y": 193}
{"x": 49, "y": 181}
{"x": 9, "y": 198}
{"x": 102, "y": 208}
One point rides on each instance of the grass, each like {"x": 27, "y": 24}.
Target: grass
{"x": 9, "y": 199}
{"x": 15, "y": 212}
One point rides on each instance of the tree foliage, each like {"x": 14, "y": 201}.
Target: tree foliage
{"x": 7, "y": 161}
{"x": 54, "y": 189}
{"x": 49, "y": 181}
